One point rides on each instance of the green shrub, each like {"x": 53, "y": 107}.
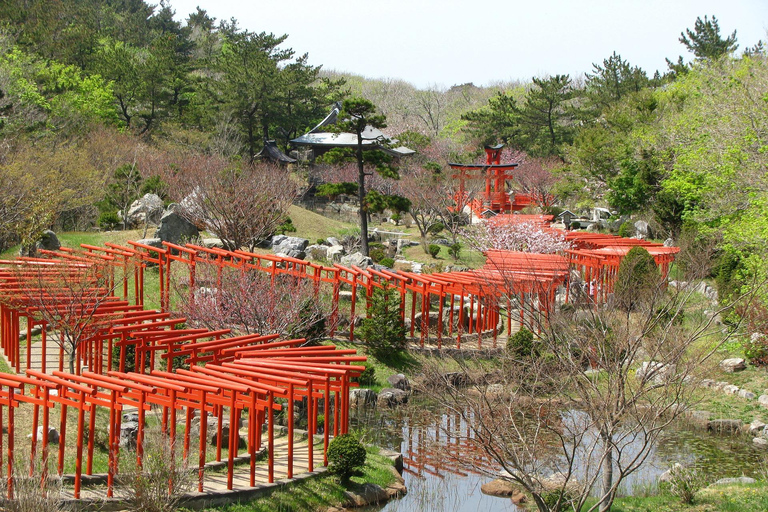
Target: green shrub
{"x": 756, "y": 350}
{"x": 685, "y": 482}
{"x": 368, "y": 377}
{"x": 433, "y": 250}
{"x": 384, "y": 332}
{"x": 435, "y": 228}
{"x": 109, "y": 220}
{"x": 551, "y": 498}
{"x": 637, "y": 280}
{"x": 377, "y": 254}
{"x": 521, "y": 345}
{"x": 286, "y": 227}
{"x": 387, "y": 262}
{"x": 575, "y": 225}
{"x": 625, "y": 230}
{"x": 346, "y": 455}
{"x": 454, "y": 250}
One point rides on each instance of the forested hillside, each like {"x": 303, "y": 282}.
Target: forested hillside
{"x": 101, "y": 101}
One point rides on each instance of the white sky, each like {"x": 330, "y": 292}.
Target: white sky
{"x": 448, "y": 42}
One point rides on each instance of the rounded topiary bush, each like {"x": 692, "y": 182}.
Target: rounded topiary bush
{"x": 625, "y": 230}
{"x": 521, "y": 345}
{"x": 433, "y": 250}
{"x": 637, "y": 280}
{"x": 387, "y": 262}
{"x": 345, "y": 455}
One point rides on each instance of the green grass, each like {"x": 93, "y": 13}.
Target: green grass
{"x": 320, "y": 492}
{"x": 723, "y": 498}
{"x": 313, "y": 226}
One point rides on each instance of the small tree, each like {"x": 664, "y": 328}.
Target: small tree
{"x": 162, "y": 479}
{"x": 705, "y": 41}
{"x": 251, "y": 302}
{"x": 241, "y": 204}
{"x": 384, "y": 332}
{"x": 66, "y": 296}
{"x": 358, "y": 115}
{"x": 346, "y": 455}
{"x": 638, "y": 279}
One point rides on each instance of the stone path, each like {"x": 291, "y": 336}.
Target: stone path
{"x": 215, "y": 480}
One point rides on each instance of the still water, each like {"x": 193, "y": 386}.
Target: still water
{"x": 437, "y": 482}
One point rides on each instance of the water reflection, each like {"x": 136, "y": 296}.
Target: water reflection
{"x": 443, "y": 473}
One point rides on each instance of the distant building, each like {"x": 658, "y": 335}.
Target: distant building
{"x": 319, "y": 140}
{"x": 272, "y": 153}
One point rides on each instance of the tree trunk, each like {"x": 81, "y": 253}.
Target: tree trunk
{"x": 607, "y": 483}
{"x": 361, "y": 196}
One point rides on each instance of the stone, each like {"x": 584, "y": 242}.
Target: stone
{"x": 396, "y": 489}
{"x": 148, "y": 208}
{"x": 390, "y": 397}
{"x": 500, "y": 488}
{"x": 756, "y": 336}
{"x": 642, "y": 229}
{"x": 332, "y": 240}
{"x": 667, "y": 475}
{"x": 519, "y": 499}
{"x": 433, "y": 318}
{"x": 760, "y": 442}
{"x": 456, "y": 379}
{"x": 726, "y": 426}
{"x": 748, "y": 395}
{"x": 399, "y": 381}
{"x": 129, "y": 432}
{"x": 317, "y": 252}
{"x": 699, "y": 419}
{"x": 48, "y": 241}
{"x": 763, "y": 400}
{"x": 657, "y": 372}
{"x": 731, "y": 389}
{"x": 152, "y": 242}
{"x": 334, "y": 253}
{"x": 362, "y": 397}
{"x": 669, "y": 242}
{"x": 289, "y": 245}
{"x": 53, "y": 435}
{"x": 744, "y": 480}
{"x": 213, "y": 243}
{"x": 708, "y": 291}
{"x": 557, "y": 481}
{"x": 175, "y": 228}
{"x": 733, "y": 365}
{"x": 368, "y": 494}
{"x": 225, "y": 436}
{"x": 131, "y": 416}
{"x": 756, "y": 427}
{"x": 707, "y": 383}
{"x": 357, "y": 260}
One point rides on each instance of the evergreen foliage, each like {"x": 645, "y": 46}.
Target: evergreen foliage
{"x": 638, "y": 279}
{"x": 383, "y": 333}
{"x": 346, "y": 455}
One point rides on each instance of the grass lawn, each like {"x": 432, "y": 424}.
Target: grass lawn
{"x": 721, "y": 498}
{"x": 320, "y": 492}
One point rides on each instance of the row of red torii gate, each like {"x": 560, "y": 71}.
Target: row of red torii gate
{"x": 230, "y": 376}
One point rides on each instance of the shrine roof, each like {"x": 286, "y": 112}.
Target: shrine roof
{"x": 372, "y": 137}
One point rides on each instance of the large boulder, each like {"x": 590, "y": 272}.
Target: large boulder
{"x": 48, "y": 241}
{"x": 726, "y": 426}
{"x": 356, "y": 259}
{"x": 334, "y": 253}
{"x": 399, "y": 381}
{"x": 642, "y": 229}
{"x": 152, "y": 242}
{"x": 368, "y": 494}
{"x": 500, "y": 488}
{"x": 317, "y": 252}
{"x": 362, "y": 397}
{"x": 291, "y": 246}
{"x": 174, "y": 228}
{"x": 148, "y": 208}
{"x": 655, "y": 371}
{"x": 390, "y": 397}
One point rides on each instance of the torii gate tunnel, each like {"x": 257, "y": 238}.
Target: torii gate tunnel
{"x": 234, "y": 376}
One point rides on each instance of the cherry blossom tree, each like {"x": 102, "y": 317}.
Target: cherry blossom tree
{"x": 501, "y": 234}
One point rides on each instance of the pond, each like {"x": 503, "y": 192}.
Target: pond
{"x": 437, "y": 482}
